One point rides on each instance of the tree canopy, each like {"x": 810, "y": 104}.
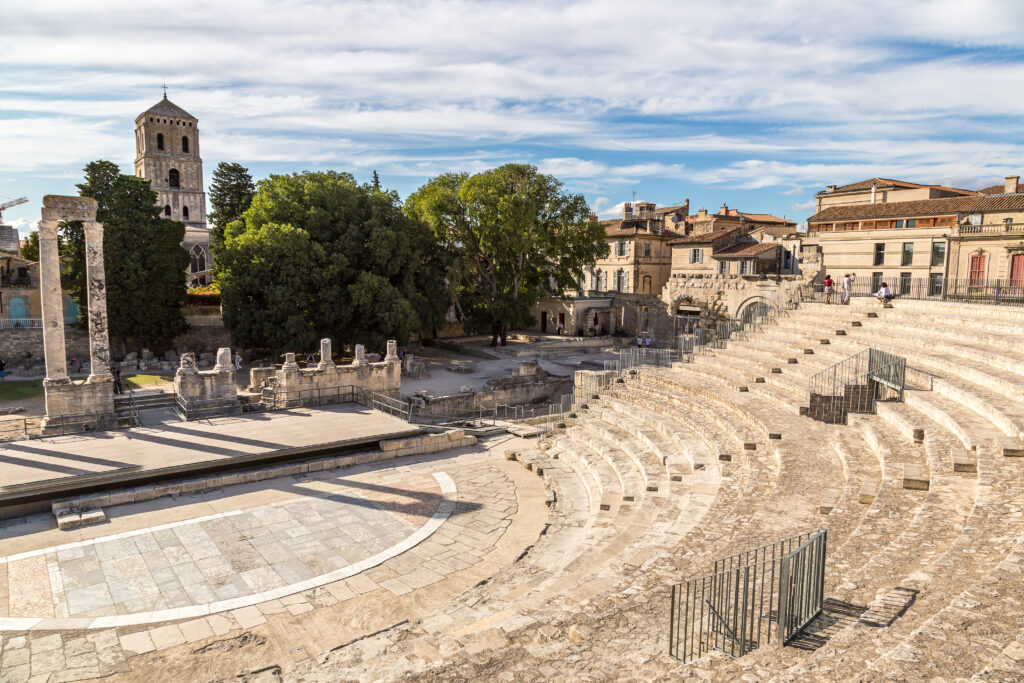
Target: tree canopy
{"x": 230, "y": 196}
{"x": 509, "y": 236}
{"x": 30, "y": 249}
{"x": 143, "y": 258}
{"x": 318, "y": 255}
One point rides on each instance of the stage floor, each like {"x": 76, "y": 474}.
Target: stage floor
{"x": 177, "y": 444}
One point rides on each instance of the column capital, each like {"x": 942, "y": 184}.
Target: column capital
{"x": 47, "y": 229}
{"x": 93, "y": 231}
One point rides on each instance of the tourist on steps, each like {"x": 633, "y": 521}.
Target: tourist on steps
{"x": 848, "y": 287}
{"x": 884, "y": 294}
{"x": 829, "y": 284}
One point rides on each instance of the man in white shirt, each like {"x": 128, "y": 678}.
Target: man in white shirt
{"x": 848, "y": 287}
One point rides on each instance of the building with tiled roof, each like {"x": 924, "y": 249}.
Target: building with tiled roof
{"x": 977, "y": 235}
{"x": 882, "y": 191}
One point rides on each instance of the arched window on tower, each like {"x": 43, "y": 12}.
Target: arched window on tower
{"x": 198, "y": 264}
{"x": 174, "y": 178}
{"x": 159, "y": 140}
{"x": 167, "y": 210}
{"x": 184, "y": 213}
{"x": 184, "y": 144}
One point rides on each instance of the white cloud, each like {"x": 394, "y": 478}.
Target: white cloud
{"x": 23, "y": 226}
{"x": 804, "y": 207}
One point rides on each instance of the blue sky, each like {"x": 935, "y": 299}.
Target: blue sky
{"x": 757, "y": 105}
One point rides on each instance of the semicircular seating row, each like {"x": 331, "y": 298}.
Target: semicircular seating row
{"x": 670, "y": 469}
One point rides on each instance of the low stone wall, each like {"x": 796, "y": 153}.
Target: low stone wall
{"x": 207, "y": 386}
{"x": 427, "y": 443}
{"x": 383, "y": 378}
{"x": 513, "y": 395}
{"x": 15, "y": 343}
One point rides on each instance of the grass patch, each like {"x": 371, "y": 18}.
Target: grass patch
{"x": 20, "y": 390}
{"x": 139, "y": 381}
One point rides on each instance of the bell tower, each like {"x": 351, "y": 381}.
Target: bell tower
{"x": 167, "y": 155}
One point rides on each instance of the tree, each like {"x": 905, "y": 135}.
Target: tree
{"x": 376, "y": 181}
{"x": 142, "y": 254}
{"x": 30, "y": 249}
{"x": 510, "y": 236}
{"x": 359, "y": 270}
{"x": 230, "y": 196}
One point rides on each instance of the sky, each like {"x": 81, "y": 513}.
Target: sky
{"x": 757, "y": 105}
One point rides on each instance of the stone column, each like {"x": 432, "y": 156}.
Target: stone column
{"x": 52, "y": 299}
{"x": 325, "y": 354}
{"x": 224, "y": 362}
{"x": 392, "y": 356}
{"x": 99, "y": 337}
{"x": 360, "y": 358}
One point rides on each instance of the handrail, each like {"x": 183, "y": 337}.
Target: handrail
{"x": 846, "y": 386}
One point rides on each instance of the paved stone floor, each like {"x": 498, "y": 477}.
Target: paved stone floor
{"x": 180, "y": 443}
{"x": 249, "y": 539}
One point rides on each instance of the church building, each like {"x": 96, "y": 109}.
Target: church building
{"x": 167, "y": 155}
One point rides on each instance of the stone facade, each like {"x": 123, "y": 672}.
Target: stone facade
{"x": 167, "y": 155}
{"x": 207, "y": 389}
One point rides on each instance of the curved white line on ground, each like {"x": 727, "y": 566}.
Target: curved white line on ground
{"x": 444, "y": 510}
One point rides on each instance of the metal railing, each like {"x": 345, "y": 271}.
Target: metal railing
{"x": 749, "y": 599}
{"x": 989, "y": 229}
{"x": 854, "y": 385}
{"x": 1006, "y": 292}
{"x": 189, "y": 410}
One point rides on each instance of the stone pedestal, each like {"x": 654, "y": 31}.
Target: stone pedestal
{"x": 325, "y": 355}
{"x": 360, "y": 355}
{"x": 392, "y": 356}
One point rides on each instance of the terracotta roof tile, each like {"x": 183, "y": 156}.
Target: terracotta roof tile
{"x": 883, "y": 183}
{"x": 920, "y": 207}
{"x": 766, "y": 218}
{"x": 746, "y": 249}
{"x": 997, "y": 202}
{"x": 706, "y": 237}
{"x": 993, "y": 189}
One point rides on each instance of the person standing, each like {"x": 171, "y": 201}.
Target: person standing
{"x": 115, "y": 372}
{"x": 497, "y": 341}
{"x": 648, "y": 341}
{"x": 3, "y": 368}
{"x": 829, "y": 284}
{"x": 848, "y": 287}
{"x": 238, "y": 360}
{"x": 639, "y": 342}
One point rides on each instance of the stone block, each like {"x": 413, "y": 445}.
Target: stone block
{"x": 868, "y": 491}
{"x": 776, "y": 371}
{"x": 829, "y": 501}
{"x": 1010, "y": 447}
{"x": 69, "y": 520}
{"x": 96, "y": 516}
{"x": 915, "y": 477}
{"x": 742, "y": 389}
{"x": 749, "y": 446}
{"x": 122, "y": 497}
{"x": 144, "y": 493}
{"x": 791, "y": 361}
{"x": 808, "y": 352}
{"x": 725, "y": 457}
{"x": 775, "y": 436}
{"x": 759, "y": 380}
{"x": 962, "y": 460}
{"x": 840, "y": 333}
{"x": 918, "y": 435}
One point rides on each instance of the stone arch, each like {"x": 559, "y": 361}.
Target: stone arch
{"x": 184, "y": 213}
{"x": 198, "y": 260}
{"x": 174, "y": 178}
{"x": 753, "y": 308}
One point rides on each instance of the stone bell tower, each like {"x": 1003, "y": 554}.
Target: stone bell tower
{"x": 167, "y": 155}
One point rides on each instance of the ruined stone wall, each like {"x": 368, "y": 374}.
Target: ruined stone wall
{"x": 14, "y": 344}
{"x": 382, "y": 378}
{"x": 512, "y": 395}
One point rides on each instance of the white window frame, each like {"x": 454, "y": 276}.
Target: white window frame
{"x": 696, "y": 255}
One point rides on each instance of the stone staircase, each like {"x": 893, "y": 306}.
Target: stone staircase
{"x": 671, "y": 468}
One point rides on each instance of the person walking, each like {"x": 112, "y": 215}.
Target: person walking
{"x": 848, "y": 287}
{"x": 3, "y": 368}
{"x": 648, "y": 341}
{"x": 115, "y": 372}
{"x": 497, "y": 341}
{"x": 829, "y": 284}
{"x": 238, "y": 360}
{"x": 639, "y": 342}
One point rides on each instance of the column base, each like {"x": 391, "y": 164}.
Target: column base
{"x": 79, "y": 403}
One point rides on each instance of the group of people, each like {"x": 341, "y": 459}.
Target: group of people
{"x": 643, "y": 342}
{"x": 884, "y": 294}
{"x": 848, "y": 280}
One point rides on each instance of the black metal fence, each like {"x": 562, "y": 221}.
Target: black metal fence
{"x": 855, "y": 384}
{"x": 750, "y": 599}
{"x": 963, "y": 290}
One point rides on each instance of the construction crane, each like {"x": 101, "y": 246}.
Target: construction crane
{"x": 13, "y": 202}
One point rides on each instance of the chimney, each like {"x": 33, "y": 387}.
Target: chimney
{"x": 1012, "y": 182}
{"x": 830, "y": 188}
{"x": 702, "y": 212}
{"x": 725, "y": 210}
{"x": 685, "y": 209}
{"x": 627, "y": 211}
{"x": 874, "y": 192}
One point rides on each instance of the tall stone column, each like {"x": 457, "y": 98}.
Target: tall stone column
{"x": 99, "y": 336}
{"x": 52, "y": 299}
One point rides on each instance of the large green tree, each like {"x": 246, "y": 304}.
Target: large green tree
{"x": 143, "y": 259}
{"x": 510, "y": 236}
{"x": 231, "y": 194}
{"x": 318, "y": 255}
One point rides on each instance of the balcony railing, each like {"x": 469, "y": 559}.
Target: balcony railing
{"x": 989, "y": 230}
